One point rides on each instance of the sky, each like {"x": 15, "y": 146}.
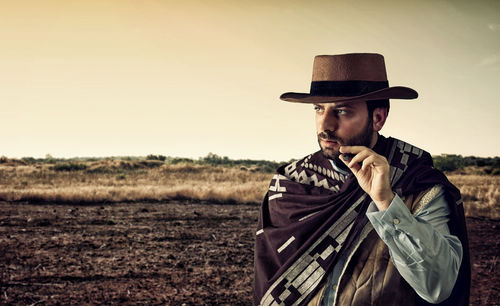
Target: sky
{"x": 185, "y": 78}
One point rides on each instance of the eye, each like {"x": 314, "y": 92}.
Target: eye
{"x": 317, "y": 108}
{"x": 341, "y": 111}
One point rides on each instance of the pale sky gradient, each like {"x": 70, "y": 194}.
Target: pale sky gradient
{"x": 185, "y": 78}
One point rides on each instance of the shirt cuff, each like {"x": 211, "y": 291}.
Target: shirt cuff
{"x": 387, "y": 222}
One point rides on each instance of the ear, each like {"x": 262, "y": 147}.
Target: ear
{"x": 379, "y": 117}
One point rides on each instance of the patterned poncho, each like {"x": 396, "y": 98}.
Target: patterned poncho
{"x": 312, "y": 213}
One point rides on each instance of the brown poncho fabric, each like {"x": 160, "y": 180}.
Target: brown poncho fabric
{"x": 312, "y": 213}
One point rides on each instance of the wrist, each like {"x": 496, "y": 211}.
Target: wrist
{"x": 385, "y": 201}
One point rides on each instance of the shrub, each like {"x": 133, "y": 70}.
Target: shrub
{"x": 151, "y": 163}
{"x": 448, "y": 162}
{"x": 178, "y": 160}
{"x": 29, "y": 160}
{"x": 156, "y": 157}
{"x": 100, "y": 169}
{"x": 68, "y": 167}
{"x": 49, "y": 159}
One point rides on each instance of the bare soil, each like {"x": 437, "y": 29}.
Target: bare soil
{"x": 158, "y": 253}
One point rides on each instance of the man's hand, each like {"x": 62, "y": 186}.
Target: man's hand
{"x": 371, "y": 171}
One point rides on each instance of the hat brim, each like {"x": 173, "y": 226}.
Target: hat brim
{"x": 396, "y": 92}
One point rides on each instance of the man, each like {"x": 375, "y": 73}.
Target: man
{"x": 366, "y": 220}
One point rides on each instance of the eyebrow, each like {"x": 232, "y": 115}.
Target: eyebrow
{"x": 339, "y": 105}
{"x": 346, "y": 105}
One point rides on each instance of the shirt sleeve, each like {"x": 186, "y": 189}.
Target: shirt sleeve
{"x": 421, "y": 247}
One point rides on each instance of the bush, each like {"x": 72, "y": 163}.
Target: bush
{"x": 150, "y": 163}
{"x": 452, "y": 162}
{"x": 178, "y": 160}
{"x": 448, "y": 162}
{"x": 49, "y": 159}
{"x": 29, "y": 160}
{"x": 156, "y": 157}
{"x": 101, "y": 169}
{"x": 69, "y": 167}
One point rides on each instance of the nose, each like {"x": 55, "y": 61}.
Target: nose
{"x": 327, "y": 121}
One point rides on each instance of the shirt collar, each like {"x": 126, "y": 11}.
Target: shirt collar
{"x": 336, "y": 168}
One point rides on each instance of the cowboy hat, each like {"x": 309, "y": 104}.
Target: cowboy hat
{"x": 348, "y": 77}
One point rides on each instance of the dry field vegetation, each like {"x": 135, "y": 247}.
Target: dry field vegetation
{"x": 112, "y": 181}
{"x": 480, "y": 193}
{"x": 130, "y": 181}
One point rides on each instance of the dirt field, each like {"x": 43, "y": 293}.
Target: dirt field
{"x": 169, "y": 253}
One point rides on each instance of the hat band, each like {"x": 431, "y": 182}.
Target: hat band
{"x": 345, "y": 88}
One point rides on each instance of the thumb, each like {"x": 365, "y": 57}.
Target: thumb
{"x": 346, "y": 158}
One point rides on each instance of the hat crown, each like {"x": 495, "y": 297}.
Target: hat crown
{"x": 349, "y": 77}
{"x": 349, "y": 67}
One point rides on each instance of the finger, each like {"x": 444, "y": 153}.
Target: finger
{"x": 355, "y": 168}
{"x": 352, "y": 149}
{"x": 369, "y": 162}
{"x": 346, "y": 160}
{"x": 361, "y": 156}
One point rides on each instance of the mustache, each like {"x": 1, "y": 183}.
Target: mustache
{"x": 329, "y": 136}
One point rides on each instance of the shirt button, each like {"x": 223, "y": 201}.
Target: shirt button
{"x": 396, "y": 221}
{"x": 334, "y": 287}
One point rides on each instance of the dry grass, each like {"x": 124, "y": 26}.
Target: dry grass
{"x": 121, "y": 181}
{"x": 480, "y": 193}
{"x": 124, "y": 181}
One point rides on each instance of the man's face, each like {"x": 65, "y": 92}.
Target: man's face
{"x": 342, "y": 123}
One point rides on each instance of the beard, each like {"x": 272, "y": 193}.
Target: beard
{"x": 363, "y": 138}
